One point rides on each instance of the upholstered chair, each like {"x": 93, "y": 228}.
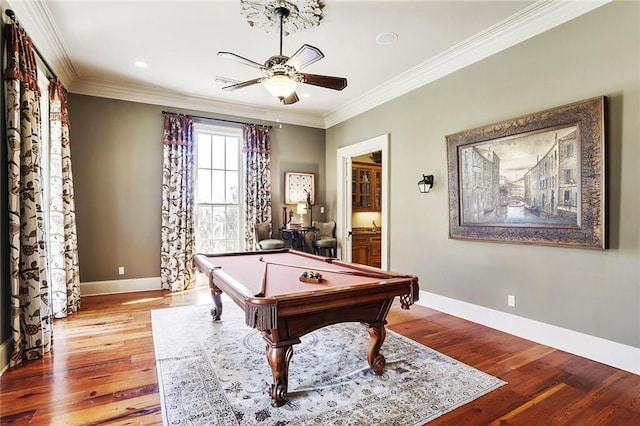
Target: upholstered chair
{"x": 264, "y": 238}
{"x": 323, "y": 238}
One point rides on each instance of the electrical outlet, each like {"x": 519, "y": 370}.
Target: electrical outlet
{"x": 121, "y": 270}
{"x": 322, "y": 209}
{"x": 511, "y": 300}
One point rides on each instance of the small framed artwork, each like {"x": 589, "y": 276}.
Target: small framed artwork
{"x": 299, "y": 187}
{"x": 537, "y": 179}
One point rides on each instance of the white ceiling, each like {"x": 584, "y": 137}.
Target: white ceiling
{"x": 92, "y": 46}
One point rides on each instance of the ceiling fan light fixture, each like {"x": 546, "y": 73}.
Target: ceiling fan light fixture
{"x": 283, "y": 72}
{"x": 280, "y": 86}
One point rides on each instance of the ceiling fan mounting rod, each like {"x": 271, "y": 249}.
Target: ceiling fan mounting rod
{"x": 282, "y": 12}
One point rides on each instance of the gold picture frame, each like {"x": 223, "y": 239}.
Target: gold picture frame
{"x": 299, "y": 186}
{"x": 537, "y": 179}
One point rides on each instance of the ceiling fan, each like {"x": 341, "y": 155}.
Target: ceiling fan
{"x": 283, "y": 72}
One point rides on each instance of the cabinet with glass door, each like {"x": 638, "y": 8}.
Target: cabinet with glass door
{"x": 366, "y": 187}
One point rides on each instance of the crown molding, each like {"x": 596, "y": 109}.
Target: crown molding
{"x": 531, "y": 21}
{"x": 167, "y": 98}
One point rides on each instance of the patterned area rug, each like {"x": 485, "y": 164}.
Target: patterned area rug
{"x": 216, "y": 373}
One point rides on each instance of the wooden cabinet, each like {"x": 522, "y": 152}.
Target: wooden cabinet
{"x": 360, "y": 249}
{"x": 366, "y": 187}
{"x": 375, "y": 251}
{"x": 366, "y": 249}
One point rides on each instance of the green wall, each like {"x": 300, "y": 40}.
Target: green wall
{"x": 589, "y": 291}
{"x": 117, "y": 168}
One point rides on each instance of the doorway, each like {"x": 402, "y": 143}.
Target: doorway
{"x": 345, "y": 194}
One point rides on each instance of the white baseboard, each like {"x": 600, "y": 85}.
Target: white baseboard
{"x": 97, "y": 288}
{"x": 615, "y": 354}
{"x": 5, "y": 354}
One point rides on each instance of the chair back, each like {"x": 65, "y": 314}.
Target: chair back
{"x": 264, "y": 237}
{"x": 263, "y": 231}
{"x": 325, "y": 229}
{"x": 324, "y": 237}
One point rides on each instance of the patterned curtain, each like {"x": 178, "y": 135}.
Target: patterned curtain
{"x": 63, "y": 240}
{"x": 178, "y": 240}
{"x": 257, "y": 184}
{"x": 29, "y": 291}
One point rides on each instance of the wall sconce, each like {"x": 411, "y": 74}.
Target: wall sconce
{"x": 425, "y": 184}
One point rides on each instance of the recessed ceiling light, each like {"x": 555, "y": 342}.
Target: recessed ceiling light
{"x": 386, "y": 38}
{"x": 140, "y": 64}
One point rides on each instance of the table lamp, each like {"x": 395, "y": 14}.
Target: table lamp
{"x": 301, "y": 210}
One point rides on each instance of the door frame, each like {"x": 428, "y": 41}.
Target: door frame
{"x": 345, "y": 154}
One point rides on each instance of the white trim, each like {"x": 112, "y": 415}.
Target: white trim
{"x": 234, "y": 132}
{"x": 5, "y": 354}
{"x": 539, "y": 17}
{"x": 343, "y": 213}
{"x": 529, "y": 22}
{"x": 343, "y": 187}
{"x": 36, "y": 18}
{"x": 98, "y": 288}
{"x": 615, "y": 354}
{"x": 167, "y": 98}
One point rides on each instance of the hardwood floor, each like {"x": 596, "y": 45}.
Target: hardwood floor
{"x": 102, "y": 371}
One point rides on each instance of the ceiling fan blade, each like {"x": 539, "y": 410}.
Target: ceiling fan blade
{"x": 335, "y": 83}
{"x": 238, "y": 58}
{"x": 305, "y": 56}
{"x": 225, "y": 80}
{"x": 291, "y": 99}
{"x": 244, "y": 84}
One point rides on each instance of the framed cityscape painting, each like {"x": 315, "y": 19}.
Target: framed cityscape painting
{"x": 537, "y": 179}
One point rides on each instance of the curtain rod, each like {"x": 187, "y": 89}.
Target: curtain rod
{"x": 11, "y": 14}
{"x": 244, "y": 123}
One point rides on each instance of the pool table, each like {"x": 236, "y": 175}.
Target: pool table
{"x": 283, "y": 305}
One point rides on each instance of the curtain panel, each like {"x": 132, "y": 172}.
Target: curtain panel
{"x": 63, "y": 239}
{"x": 257, "y": 185}
{"x": 29, "y": 291}
{"x": 178, "y": 193}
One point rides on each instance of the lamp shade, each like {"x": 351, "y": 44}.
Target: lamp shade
{"x": 280, "y": 86}
{"x": 301, "y": 209}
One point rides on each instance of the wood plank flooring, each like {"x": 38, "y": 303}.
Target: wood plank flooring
{"x": 102, "y": 371}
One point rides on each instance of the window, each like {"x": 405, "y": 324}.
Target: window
{"x": 218, "y": 209}
{"x": 45, "y": 171}
{"x": 43, "y": 85}
{"x": 568, "y": 176}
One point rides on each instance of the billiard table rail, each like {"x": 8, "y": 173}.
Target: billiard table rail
{"x": 262, "y": 312}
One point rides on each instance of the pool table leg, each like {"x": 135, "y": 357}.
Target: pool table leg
{"x": 216, "y": 294}
{"x": 278, "y": 358}
{"x": 374, "y": 357}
